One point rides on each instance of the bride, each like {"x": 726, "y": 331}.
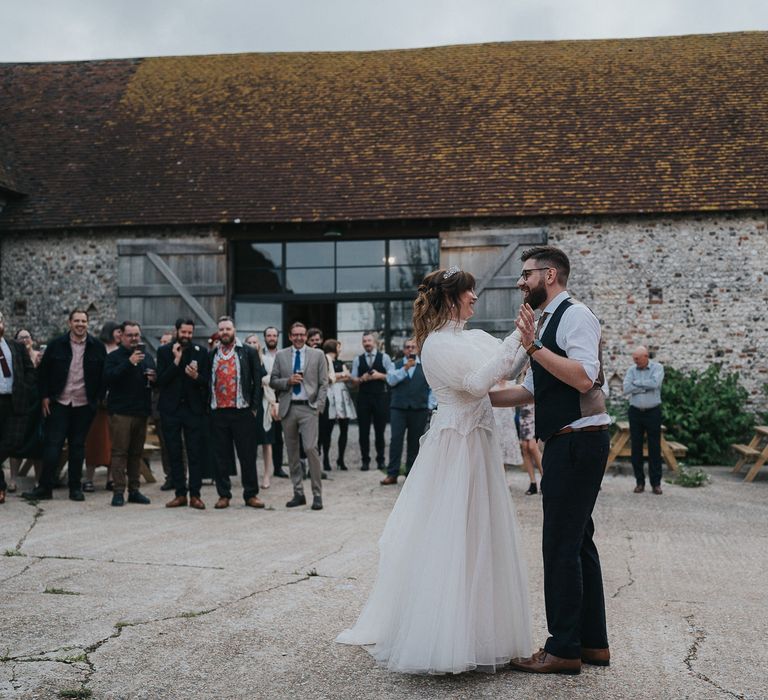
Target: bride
{"x": 452, "y": 591}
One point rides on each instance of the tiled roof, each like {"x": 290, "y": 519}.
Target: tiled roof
{"x": 510, "y": 129}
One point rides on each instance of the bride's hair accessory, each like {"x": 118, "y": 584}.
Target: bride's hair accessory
{"x": 451, "y": 271}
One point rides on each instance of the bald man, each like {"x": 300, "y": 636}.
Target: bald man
{"x": 642, "y": 384}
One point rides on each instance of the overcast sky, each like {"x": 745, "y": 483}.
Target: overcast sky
{"x": 56, "y": 30}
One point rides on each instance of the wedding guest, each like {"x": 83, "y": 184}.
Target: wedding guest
{"x": 369, "y": 372}
{"x": 265, "y": 427}
{"x": 271, "y": 337}
{"x": 31, "y": 447}
{"x": 530, "y": 446}
{"x": 165, "y": 461}
{"x": 236, "y": 395}
{"x": 341, "y": 408}
{"x": 300, "y": 380}
{"x": 98, "y": 443}
{"x": 409, "y": 409}
{"x": 315, "y": 338}
{"x": 17, "y": 384}
{"x": 183, "y": 374}
{"x": 129, "y": 374}
{"x": 71, "y": 385}
{"x": 507, "y": 430}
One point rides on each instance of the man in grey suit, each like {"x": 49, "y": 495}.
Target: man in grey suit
{"x": 300, "y": 380}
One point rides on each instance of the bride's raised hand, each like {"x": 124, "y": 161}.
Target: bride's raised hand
{"x": 526, "y": 325}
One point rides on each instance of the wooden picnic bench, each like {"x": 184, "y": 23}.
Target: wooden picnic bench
{"x": 621, "y": 446}
{"x": 756, "y": 450}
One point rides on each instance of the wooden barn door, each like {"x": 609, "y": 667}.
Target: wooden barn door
{"x": 162, "y": 280}
{"x": 493, "y": 257}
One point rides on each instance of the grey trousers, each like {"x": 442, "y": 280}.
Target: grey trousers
{"x": 304, "y": 421}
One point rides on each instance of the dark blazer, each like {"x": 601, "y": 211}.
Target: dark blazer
{"x": 251, "y": 372}
{"x": 54, "y": 368}
{"x": 175, "y": 384}
{"x": 24, "y": 378}
{"x": 128, "y": 393}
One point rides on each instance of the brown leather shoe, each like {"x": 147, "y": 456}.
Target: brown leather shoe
{"x": 657, "y": 490}
{"x": 177, "y": 502}
{"x": 2, "y": 496}
{"x": 596, "y": 657}
{"x": 543, "y": 662}
{"x": 196, "y": 502}
{"x": 254, "y": 502}
{"x": 222, "y": 503}
{"x": 388, "y": 481}
{"x": 639, "y": 488}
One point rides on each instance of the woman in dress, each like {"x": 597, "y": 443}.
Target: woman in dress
{"x": 528, "y": 443}
{"x": 265, "y": 431}
{"x": 451, "y": 593}
{"x": 506, "y": 429}
{"x": 339, "y": 404}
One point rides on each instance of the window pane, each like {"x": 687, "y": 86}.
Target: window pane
{"x": 252, "y": 317}
{"x": 422, "y": 252}
{"x": 360, "y": 253}
{"x": 309, "y": 254}
{"x": 360, "y": 279}
{"x": 401, "y": 314}
{"x": 351, "y": 346}
{"x": 250, "y": 254}
{"x": 407, "y": 277}
{"x": 360, "y": 316}
{"x": 318, "y": 280}
{"x": 253, "y": 281}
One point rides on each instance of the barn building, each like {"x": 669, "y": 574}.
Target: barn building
{"x": 322, "y": 186}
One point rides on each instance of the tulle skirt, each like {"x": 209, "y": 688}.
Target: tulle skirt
{"x": 451, "y": 593}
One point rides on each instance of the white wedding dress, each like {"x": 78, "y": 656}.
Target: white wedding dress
{"x": 451, "y": 593}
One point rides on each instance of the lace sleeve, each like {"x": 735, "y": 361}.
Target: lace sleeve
{"x": 507, "y": 361}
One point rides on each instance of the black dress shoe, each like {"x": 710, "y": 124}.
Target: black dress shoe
{"x": 280, "y": 474}
{"x": 317, "y": 503}
{"x": 323, "y": 475}
{"x": 381, "y": 466}
{"x": 76, "y": 495}
{"x": 340, "y": 464}
{"x": 326, "y": 465}
{"x": 38, "y": 494}
{"x": 296, "y": 501}
{"x": 365, "y": 467}
{"x": 167, "y": 486}
{"x": 137, "y": 497}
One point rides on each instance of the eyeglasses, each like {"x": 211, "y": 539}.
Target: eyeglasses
{"x": 525, "y": 274}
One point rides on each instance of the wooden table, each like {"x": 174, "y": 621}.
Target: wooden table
{"x": 621, "y": 447}
{"x": 756, "y": 450}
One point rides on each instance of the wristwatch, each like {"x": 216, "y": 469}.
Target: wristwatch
{"x": 534, "y": 346}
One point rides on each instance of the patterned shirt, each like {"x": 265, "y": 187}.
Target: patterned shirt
{"x": 74, "y": 390}
{"x": 225, "y": 376}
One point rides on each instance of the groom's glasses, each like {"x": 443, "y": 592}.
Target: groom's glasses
{"x": 525, "y": 274}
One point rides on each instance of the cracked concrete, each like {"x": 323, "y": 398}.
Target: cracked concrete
{"x": 246, "y": 604}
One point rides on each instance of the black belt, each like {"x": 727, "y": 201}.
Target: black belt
{"x": 643, "y": 410}
{"x": 299, "y": 403}
{"x": 587, "y": 429}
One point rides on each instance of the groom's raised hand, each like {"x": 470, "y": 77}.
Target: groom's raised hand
{"x": 526, "y": 324}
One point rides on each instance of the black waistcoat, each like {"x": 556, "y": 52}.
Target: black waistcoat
{"x": 377, "y": 387}
{"x": 557, "y": 403}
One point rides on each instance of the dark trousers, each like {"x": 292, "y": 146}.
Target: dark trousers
{"x": 412, "y": 420}
{"x": 324, "y": 430}
{"x": 12, "y": 432}
{"x": 343, "y": 431}
{"x": 573, "y": 584}
{"x": 641, "y": 423}
{"x": 192, "y": 426}
{"x": 372, "y": 408}
{"x": 234, "y": 429}
{"x": 70, "y": 424}
{"x": 277, "y": 446}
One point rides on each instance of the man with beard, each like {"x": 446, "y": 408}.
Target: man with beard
{"x": 70, "y": 383}
{"x": 183, "y": 374}
{"x": 236, "y": 394}
{"x": 565, "y": 384}
{"x": 271, "y": 335}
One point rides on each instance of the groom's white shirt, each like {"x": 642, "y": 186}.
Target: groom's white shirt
{"x": 579, "y": 335}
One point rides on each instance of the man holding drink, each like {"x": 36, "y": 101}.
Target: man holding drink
{"x": 129, "y": 374}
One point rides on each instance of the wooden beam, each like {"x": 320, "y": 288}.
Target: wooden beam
{"x": 178, "y": 285}
{"x": 167, "y": 290}
{"x": 142, "y": 246}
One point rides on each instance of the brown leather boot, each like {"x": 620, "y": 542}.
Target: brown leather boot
{"x": 544, "y": 662}
{"x": 222, "y": 503}
{"x": 196, "y": 502}
{"x": 254, "y": 502}
{"x": 177, "y": 502}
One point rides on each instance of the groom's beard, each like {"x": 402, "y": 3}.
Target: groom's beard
{"x": 536, "y": 296}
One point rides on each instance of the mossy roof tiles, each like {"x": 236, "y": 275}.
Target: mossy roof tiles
{"x": 509, "y": 129}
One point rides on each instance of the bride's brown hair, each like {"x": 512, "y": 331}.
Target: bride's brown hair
{"x": 436, "y": 300}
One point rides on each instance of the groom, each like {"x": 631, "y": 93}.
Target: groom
{"x": 565, "y": 383}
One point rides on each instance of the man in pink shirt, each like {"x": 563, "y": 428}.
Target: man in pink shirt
{"x": 71, "y": 384}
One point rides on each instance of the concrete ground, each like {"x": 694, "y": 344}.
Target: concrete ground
{"x": 145, "y": 602}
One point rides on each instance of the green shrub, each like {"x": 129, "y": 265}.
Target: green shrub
{"x": 706, "y": 412}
